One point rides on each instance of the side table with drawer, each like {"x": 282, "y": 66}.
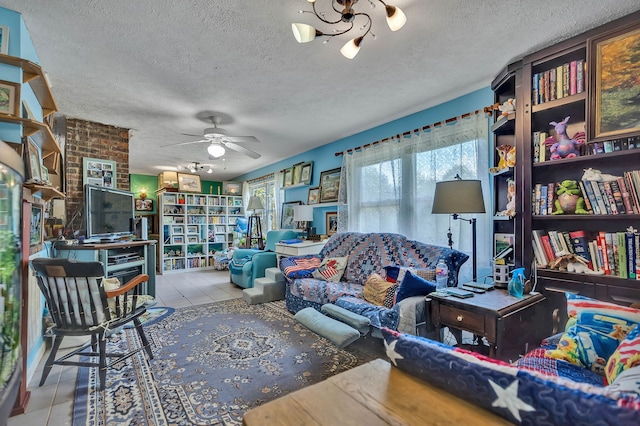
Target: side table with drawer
{"x": 510, "y": 325}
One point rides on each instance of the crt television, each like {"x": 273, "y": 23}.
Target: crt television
{"x": 109, "y": 213}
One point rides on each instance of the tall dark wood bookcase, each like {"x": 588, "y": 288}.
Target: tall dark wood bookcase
{"x": 516, "y": 80}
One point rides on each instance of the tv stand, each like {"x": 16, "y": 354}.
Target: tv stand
{"x": 124, "y": 259}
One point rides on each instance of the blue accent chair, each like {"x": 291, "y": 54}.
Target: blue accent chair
{"x": 249, "y": 264}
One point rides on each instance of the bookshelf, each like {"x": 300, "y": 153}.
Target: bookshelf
{"x": 535, "y": 169}
{"x": 194, "y": 227}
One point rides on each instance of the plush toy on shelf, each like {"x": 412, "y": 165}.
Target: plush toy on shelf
{"x": 507, "y": 106}
{"x": 561, "y": 145}
{"x": 597, "y": 175}
{"x": 570, "y": 200}
{"x": 507, "y": 159}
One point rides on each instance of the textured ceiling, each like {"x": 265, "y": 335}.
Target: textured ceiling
{"x": 154, "y": 66}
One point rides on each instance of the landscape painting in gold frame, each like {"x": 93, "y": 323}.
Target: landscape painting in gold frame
{"x": 189, "y": 183}
{"x": 615, "y": 67}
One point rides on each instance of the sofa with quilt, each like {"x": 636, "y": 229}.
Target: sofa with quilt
{"x": 381, "y": 276}
{"x": 589, "y": 374}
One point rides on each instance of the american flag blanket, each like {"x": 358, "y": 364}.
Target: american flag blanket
{"x": 519, "y": 395}
{"x": 299, "y": 267}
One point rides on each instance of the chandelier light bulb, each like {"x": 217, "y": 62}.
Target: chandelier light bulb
{"x": 395, "y": 17}
{"x": 351, "y": 48}
{"x": 304, "y": 33}
{"x": 216, "y": 150}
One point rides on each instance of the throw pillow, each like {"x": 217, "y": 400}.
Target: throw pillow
{"x": 412, "y": 285}
{"x": 627, "y": 381}
{"x": 626, "y": 356}
{"x": 376, "y": 289}
{"x": 396, "y": 273}
{"x": 331, "y": 269}
{"x": 577, "y": 304}
{"x": 594, "y": 331}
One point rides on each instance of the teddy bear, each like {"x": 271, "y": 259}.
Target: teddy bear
{"x": 569, "y": 199}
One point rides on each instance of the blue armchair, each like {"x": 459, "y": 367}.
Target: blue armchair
{"x": 249, "y": 264}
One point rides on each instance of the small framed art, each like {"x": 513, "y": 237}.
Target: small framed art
{"x": 287, "y": 177}
{"x": 286, "y": 221}
{"x": 145, "y": 205}
{"x": 10, "y": 98}
{"x": 34, "y": 163}
{"x": 330, "y": 185}
{"x": 232, "y": 188}
{"x": 297, "y": 172}
{"x": 99, "y": 172}
{"x": 314, "y": 194}
{"x": 4, "y": 39}
{"x": 36, "y": 228}
{"x": 331, "y": 219}
{"x": 305, "y": 173}
{"x": 189, "y": 183}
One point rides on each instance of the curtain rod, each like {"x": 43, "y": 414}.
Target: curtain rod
{"x": 487, "y": 110}
{"x": 265, "y": 177}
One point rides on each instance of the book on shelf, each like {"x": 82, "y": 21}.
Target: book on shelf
{"x": 622, "y": 255}
{"x": 595, "y": 259}
{"x": 602, "y": 253}
{"x": 543, "y": 200}
{"x": 573, "y": 73}
{"x": 580, "y": 71}
{"x": 552, "y": 84}
{"x": 538, "y": 251}
{"x": 617, "y": 196}
{"x": 585, "y": 195}
{"x": 610, "y": 200}
{"x": 551, "y": 197}
{"x": 630, "y": 246}
{"x": 598, "y": 196}
{"x": 535, "y": 141}
{"x": 543, "y": 146}
{"x": 559, "y": 82}
{"x": 567, "y": 241}
{"x": 627, "y": 201}
{"x": 581, "y": 246}
{"x": 548, "y": 249}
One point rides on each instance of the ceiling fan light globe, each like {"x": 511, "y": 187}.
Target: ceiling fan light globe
{"x": 216, "y": 151}
{"x": 395, "y": 17}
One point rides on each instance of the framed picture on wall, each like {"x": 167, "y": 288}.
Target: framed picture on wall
{"x": 99, "y": 172}
{"x": 286, "y": 220}
{"x": 189, "y": 183}
{"x": 287, "y": 177}
{"x": 331, "y": 222}
{"x": 330, "y": 185}
{"x": 232, "y": 188}
{"x": 145, "y": 205}
{"x": 615, "y": 86}
{"x": 36, "y": 228}
{"x": 10, "y": 98}
{"x": 4, "y": 39}
{"x": 33, "y": 163}
{"x": 305, "y": 173}
{"x": 297, "y": 172}
{"x": 314, "y": 194}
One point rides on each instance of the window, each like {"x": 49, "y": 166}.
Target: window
{"x": 404, "y": 174}
{"x": 265, "y": 189}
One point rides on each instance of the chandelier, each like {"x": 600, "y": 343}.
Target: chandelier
{"x": 346, "y": 14}
{"x": 195, "y": 167}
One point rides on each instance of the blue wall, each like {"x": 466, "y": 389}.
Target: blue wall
{"x": 324, "y": 158}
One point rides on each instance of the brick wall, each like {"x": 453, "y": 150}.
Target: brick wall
{"x": 93, "y": 140}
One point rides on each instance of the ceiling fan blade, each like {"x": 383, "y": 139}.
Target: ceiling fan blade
{"x": 242, "y": 139}
{"x": 241, "y": 149}
{"x": 184, "y": 143}
{"x": 189, "y": 134}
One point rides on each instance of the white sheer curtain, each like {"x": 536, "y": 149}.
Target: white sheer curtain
{"x": 389, "y": 187}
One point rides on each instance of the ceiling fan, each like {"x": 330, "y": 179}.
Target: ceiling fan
{"x": 219, "y": 139}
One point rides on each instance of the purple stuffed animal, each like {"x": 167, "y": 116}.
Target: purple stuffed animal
{"x": 564, "y": 147}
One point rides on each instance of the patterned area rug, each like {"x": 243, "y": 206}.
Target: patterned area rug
{"x": 211, "y": 364}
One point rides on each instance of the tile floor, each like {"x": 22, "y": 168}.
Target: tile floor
{"x": 52, "y": 403}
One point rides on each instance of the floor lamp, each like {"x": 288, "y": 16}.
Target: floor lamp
{"x": 254, "y": 227}
{"x": 460, "y": 196}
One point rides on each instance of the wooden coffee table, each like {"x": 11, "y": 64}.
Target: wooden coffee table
{"x": 510, "y": 325}
{"x": 375, "y": 393}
